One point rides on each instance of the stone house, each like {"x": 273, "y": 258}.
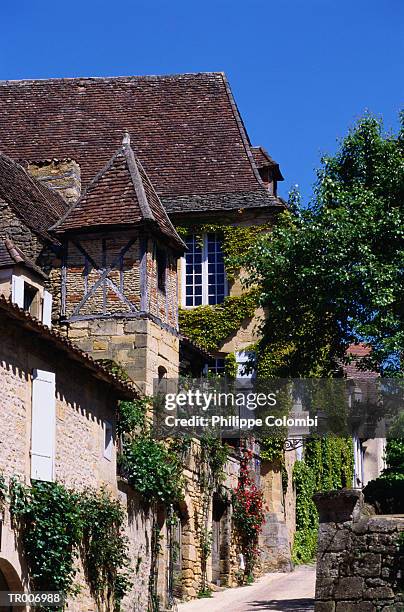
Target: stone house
{"x": 89, "y": 208}
{"x": 58, "y": 409}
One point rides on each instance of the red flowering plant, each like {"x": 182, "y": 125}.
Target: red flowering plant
{"x": 248, "y": 514}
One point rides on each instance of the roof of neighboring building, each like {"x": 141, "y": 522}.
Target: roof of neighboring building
{"x": 121, "y": 194}
{"x": 264, "y": 160}
{"x": 188, "y": 131}
{"x": 357, "y": 352}
{"x": 124, "y": 389}
{"x": 35, "y": 204}
{"x": 11, "y": 255}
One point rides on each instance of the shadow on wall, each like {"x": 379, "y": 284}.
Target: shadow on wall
{"x": 284, "y": 605}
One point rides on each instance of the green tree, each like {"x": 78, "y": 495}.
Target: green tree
{"x": 333, "y": 273}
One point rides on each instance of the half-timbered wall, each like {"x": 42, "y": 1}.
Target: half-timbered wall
{"x": 162, "y": 304}
{"x": 116, "y": 274}
{"x": 101, "y": 276}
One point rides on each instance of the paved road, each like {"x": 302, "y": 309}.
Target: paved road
{"x": 292, "y": 592}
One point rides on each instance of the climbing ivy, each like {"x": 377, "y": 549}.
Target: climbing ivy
{"x": 305, "y": 541}
{"x": 57, "y": 525}
{"x": 153, "y": 469}
{"x": 49, "y": 519}
{"x": 3, "y": 492}
{"x": 327, "y": 465}
{"x": 230, "y": 365}
{"x": 132, "y": 415}
{"x": 210, "y": 461}
{"x": 104, "y": 548}
{"x": 115, "y": 368}
{"x": 209, "y": 326}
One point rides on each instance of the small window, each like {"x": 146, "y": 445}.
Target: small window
{"x": 161, "y": 269}
{"x": 216, "y": 366}
{"x": 31, "y": 300}
{"x": 108, "y": 440}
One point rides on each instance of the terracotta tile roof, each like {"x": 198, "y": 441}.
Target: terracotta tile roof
{"x": 121, "y": 194}
{"x": 11, "y": 255}
{"x": 264, "y": 160}
{"x": 356, "y": 352}
{"x": 124, "y": 388}
{"x": 188, "y": 132}
{"x": 35, "y": 204}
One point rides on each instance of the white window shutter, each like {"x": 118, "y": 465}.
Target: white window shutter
{"x": 47, "y": 309}
{"x": 17, "y": 290}
{"x": 43, "y": 425}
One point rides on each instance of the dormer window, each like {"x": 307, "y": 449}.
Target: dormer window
{"x": 34, "y": 300}
{"x": 205, "y": 278}
{"x": 31, "y": 300}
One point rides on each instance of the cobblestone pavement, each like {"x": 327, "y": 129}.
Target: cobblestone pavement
{"x": 292, "y": 592}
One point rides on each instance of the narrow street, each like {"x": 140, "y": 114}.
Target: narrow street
{"x": 292, "y": 592}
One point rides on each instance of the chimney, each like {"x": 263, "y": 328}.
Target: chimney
{"x": 63, "y": 175}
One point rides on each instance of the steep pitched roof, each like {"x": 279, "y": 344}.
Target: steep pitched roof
{"x": 188, "y": 132}
{"x": 264, "y": 160}
{"x": 11, "y": 255}
{"x": 121, "y": 194}
{"x": 35, "y": 204}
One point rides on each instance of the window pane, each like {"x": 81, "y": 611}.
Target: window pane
{"x": 193, "y": 268}
{"x": 216, "y": 271}
{"x": 216, "y": 366}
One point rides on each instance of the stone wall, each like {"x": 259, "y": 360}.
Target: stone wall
{"x": 140, "y": 345}
{"x": 360, "y": 560}
{"x": 275, "y": 539}
{"x": 192, "y": 515}
{"x": 12, "y": 227}
{"x": 62, "y": 175}
{"x": 83, "y": 405}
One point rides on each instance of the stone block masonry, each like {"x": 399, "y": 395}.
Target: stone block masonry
{"x": 62, "y": 175}
{"x": 140, "y": 345}
{"x": 360, "y": 559}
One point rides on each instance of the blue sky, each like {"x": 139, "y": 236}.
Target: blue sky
{"x": 302, "y": 71}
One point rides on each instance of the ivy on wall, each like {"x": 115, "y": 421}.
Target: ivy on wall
{"x": 327, "y": 465}
{"x": 57, "y": 525}
{"x": 210, "y": 462}
{"x": 48, "y": 517}
{"x": 209, "y": 326}
{"x": 104, "y": 548}
{"x": 153, "y": 468}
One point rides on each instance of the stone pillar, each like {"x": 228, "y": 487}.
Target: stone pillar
{"x": 360, "y": 560}
{"x": 274, "y": 538}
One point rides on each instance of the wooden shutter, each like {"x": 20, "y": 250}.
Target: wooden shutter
{"x": 17, "y": 290}
{"x": 43, "y": 425}
{"x": 47, "y": 309}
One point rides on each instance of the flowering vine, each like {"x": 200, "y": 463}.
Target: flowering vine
{"x": 248, "y": 514}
